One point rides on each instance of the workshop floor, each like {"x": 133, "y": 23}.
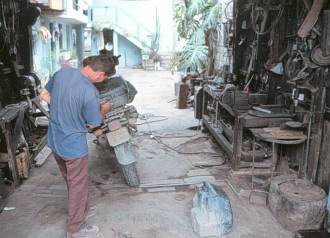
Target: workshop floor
{"x": 160, "y": 208}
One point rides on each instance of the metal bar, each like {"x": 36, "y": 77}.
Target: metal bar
{"x": 216, "y": 113}
{"x": 40, "y": 107}
{"x": 203, "y": 103}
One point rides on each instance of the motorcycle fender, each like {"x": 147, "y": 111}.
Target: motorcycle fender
{"x": 118, "y": 137}
{"x": 114, "y": 125}
{"x": 124, "y": 154}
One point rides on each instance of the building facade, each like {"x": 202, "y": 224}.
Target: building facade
{"x": 59, "y": 35}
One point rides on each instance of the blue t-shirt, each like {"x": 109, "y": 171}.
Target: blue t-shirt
{"x": 74, "y": 104}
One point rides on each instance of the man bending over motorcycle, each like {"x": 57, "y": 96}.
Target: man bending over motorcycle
{"x": 75, "y": 107}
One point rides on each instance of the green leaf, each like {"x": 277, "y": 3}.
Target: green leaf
{"x": 181, "y": 18}
{"x": 194, "y": 18}
{"x": 212, "y": 19}
{"x": 197, "y": 37}
{"x": 194, "y": 57}
{"x": 195, "y": 8}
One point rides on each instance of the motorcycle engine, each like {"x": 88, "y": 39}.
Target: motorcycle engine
{"x": 29, "y": 85}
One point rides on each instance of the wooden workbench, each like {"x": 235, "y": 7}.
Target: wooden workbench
{"x": 242, "y": 121}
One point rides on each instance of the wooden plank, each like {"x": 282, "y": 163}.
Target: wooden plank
{"x": 237, "y": 147}
{"x": 42, "y": 156}
{"x": 11, "y": 155}
{"x": 317, "y": 127}
{"x": 323, "y": 174}
{"x": 177, "y": 182}
{"x": 227, "y": 130}
{"x": 277, "y": 133}
{"x": 325, "y": 42}
{"x": 300, "y": 154}
{"x": 253, "y": 122}
{"x": 255, "y": 172}
{"x": 264, "y": 164}
{"x": 228, "y": 108}
{"x": 319, "y": 135}
{"x": 182, "y": 96}
{"x": 4, "y": 158}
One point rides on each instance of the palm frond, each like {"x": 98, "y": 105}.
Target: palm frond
{"x": 211, "y": 19}
{"x": 194, "y": 18}
{"x": 194, "y": 57}
{"x": 197, "y": 7}
{"x": 181, "y": 19}
{"x": 197, "y": 37}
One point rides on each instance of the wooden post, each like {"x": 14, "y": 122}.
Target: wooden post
{"x": 325, "y": 42}
{"x": 182, "y": 96}
{"x": 11, "y": 155}
{"x": 323, "y": 173}
{"x": 317, "y": 128}
{"x": 237, "y": 143}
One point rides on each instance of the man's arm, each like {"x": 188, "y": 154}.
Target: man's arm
{"x": 105, "y": 108}
{"x": 45, "y": 92}
{"x": 45, "y": 95}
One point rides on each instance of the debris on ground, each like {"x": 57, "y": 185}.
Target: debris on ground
{"x": 212, "y": 214}
{"x": 9, "y": 208}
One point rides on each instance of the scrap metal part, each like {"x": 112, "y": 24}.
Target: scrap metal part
{"x": 319, "y": 58}
{"x": 311, "y": 18}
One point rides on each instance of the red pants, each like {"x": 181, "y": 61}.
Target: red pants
{"x": 75, "y": 174}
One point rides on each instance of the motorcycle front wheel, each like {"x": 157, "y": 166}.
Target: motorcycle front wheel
{"x": 123, "y": 153}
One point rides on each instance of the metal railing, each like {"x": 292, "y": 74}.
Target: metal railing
{"x": 120, "y": 18}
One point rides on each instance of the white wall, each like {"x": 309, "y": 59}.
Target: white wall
{"x": 144, "y": 11}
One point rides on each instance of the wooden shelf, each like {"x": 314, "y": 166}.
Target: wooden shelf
{"x": 218, "y": 136}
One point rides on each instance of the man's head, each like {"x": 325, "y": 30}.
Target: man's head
{"x": 98, "y": 68}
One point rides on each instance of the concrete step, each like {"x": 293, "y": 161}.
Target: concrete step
{"x": 166, "y": 61}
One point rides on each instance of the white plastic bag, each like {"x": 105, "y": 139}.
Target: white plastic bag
{"x": 212, "y": 214}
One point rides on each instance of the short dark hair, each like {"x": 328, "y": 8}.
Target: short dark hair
{"x": 101, "y": 63}
{"x": 87, "y": 60}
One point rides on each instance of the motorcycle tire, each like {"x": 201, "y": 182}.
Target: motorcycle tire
{"x": 129, "y": 170}
{"x": 130, "y": 174}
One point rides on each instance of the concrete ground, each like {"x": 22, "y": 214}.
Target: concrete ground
{"x": 171, "y": 159}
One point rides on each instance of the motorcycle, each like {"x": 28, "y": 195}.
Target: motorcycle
{"x": 119, "y": 124}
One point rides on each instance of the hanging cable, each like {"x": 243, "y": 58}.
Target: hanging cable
{"x": 273, "y": 24}
{"x": 146, "y": 117}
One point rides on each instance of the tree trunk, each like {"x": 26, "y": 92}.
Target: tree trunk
{"x": 211, "y": 43}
